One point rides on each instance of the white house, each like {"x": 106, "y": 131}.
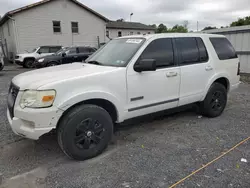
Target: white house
{"x": 121, "y": 28}
{"x": 52, "y": 22}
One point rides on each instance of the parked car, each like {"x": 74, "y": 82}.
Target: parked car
{"x": 1, "y": 63}
{"x": 64, "y": 56}
{"x": 27, "y": 59}
{"x": 130, "y": 76}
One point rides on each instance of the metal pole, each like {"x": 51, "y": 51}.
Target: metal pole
{"x": 197, "y": 25}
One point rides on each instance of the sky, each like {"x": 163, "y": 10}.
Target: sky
{"x": 169, "y": 12}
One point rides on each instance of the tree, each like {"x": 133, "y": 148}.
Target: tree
{"x": 178, "y": 29}
{"x": 208, "y": 28}
{"x": 120, "y": 20}
{"x": 161, "y": 29}
{"x": 241, "y": 22}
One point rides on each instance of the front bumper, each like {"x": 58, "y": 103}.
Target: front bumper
{"x": 33, "y": 123}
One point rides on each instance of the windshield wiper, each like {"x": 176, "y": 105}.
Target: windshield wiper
{"x": 95, "y": 62}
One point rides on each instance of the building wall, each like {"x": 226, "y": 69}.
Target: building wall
{"x": 35, "y": 27}
{"x": 113, "y": 33}
{"x": 7, "y": 34}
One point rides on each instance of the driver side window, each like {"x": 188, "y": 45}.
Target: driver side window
{"x": 43, "y": 50}
{"x": 160, "y": 50}
{"x": 71, "y": 51}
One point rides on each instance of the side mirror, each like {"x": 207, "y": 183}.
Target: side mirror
{"x": 145, "y": 65}
{"x": 63, "y": 54}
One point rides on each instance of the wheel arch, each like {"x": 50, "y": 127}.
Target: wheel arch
{"x": 220, "y": 78}
{"x": 26, "y": 58}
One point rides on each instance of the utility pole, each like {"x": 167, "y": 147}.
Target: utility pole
{"x": 131, "y": 16}
{"x": 197, "y": 25}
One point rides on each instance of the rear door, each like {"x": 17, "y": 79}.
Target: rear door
{"x": 196, "y": 68}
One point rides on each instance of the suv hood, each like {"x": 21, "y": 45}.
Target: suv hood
{"x": 37, "y": 78}
{"x": 25, "y": 54}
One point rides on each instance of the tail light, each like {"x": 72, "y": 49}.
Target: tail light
{"x": 238, "y": 72}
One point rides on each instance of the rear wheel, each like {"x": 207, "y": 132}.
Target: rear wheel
{"x": 85, "y": 132}
{"x": 215, "y": 101}
{"x": 28, "y": 63}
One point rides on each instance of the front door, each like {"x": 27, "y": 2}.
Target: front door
{"x": 71, "y": 55}
{"x": 196, "y": 68}
{"x": 154, "y": 90}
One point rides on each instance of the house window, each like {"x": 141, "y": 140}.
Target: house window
{"x": 138, "y": 33}
{"x": 57, "y": 26}
{"x": 119, "y": 33}
{"x": 131, "y": 33}
{"x": 74, "y": 27}
{"x": 107, "y": 33}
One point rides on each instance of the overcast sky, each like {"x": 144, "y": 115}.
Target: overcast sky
{"x": 207, "y": 12}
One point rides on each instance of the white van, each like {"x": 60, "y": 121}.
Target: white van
{"x": 129, "y": 77}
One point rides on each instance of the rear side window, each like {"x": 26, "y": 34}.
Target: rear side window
{"x": 83, "y": 50}
{"x": 162, "y": 51}
{"x": 188, "y": 50}
{"x": 223, "y": 48}
{"x": 202, "y": 50}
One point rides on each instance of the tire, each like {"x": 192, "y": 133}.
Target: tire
{"x": 215, "y": 101}
{"x": 1, "y": 67}
{"x": 51, "y": 64}
{"x": 28, "y": 63}
{"x": 85, "y": 132}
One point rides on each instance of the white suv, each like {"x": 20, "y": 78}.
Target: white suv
{"x": 129, "y": 77}
{"x": 27, "y": 59}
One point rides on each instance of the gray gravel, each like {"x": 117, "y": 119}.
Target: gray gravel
{"x": 154, "y": 151}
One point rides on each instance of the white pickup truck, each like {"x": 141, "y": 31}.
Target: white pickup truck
{"x": 27, "y": 59}
{"x": 128, "y": 77}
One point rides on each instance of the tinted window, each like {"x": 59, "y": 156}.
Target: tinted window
{"x": 71, "y": 51}
{"x": 83, "y": 50}
{"x": 54, "y": 49}
{"x": 223, "y": 48}
{"x": 188, "y": 50}
{"x": 202, "y": 50}
{"x": 44, "y": 50}
{"x": 162, "y": 51}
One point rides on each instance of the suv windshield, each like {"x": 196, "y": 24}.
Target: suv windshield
{"x": 117, "y": 53}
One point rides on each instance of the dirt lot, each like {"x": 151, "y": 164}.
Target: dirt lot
{"x": 153, "y": 151}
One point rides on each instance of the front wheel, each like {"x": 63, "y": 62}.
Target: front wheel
{"x": 215, "y": 101}
{"x": 28, "y": 63}
{"x": 85, "y": 132}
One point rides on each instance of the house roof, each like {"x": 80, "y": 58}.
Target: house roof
{"x": 128, "y": 25}
{"x": 11, "y": 13}
{"x": 229, "y": 30}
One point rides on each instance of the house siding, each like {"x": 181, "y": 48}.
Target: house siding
{"x": 8, "y": 36}
{"x": 35, "y": 26}
{"x": 113, "y": 33}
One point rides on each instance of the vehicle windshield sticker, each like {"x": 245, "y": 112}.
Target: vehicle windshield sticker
{"x": 134, "y": 41}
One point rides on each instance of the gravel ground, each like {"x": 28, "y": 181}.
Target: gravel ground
{"x": 154, "y": 151}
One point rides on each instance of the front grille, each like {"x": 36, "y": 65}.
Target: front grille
{"x": 16, "y": 57}
{"x": 13, "y": 92}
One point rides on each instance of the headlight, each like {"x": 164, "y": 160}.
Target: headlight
{"x": 37, "y": 99}
{"x": 41, "y": 60}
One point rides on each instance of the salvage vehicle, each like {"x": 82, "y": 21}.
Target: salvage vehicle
{"x": 129, "y": 77}
{"x": 27, "y": 59}
{"x": 64, "y": 56}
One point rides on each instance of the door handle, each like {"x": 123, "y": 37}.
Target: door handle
{"x": 209, "y": 68}
{"x": 171, "y": 74}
